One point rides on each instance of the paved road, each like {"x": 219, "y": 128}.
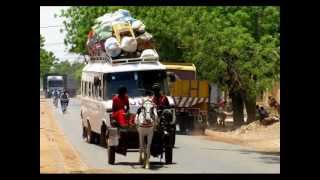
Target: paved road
{"x": 193, "y": 154}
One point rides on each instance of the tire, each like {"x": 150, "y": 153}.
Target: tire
{"x": 168, "y": 155}
{"x": 90, "y": 134}
{"x": 103, "y": 138}
{"x": 181, "y": 124}
{"x": 84, "y": 132}
{"x": 174, "y": 138}
{"x": 111, "y": 154}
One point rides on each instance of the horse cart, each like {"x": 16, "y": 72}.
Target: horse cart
{"x": 119, "y": 139}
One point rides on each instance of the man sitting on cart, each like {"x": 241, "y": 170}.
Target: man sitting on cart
{"x": 161, "y": 103}
{"x": 120, "y": 107}
{"x": 158, "y": 99}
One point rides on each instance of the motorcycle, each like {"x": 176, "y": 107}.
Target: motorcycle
{"x": 64, "y": 104}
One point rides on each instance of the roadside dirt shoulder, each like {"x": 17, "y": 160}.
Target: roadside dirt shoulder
{"x": 56, "y": 153}
{"x": 259, "y": 137}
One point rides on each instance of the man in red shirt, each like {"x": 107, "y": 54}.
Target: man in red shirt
{"x": 120, "y": 107}
{"x": 159, "y": 100}
{"x": 162, "y": 103}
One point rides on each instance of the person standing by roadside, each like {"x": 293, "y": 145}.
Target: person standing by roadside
{"x": 222, "y": 115}
{"x": 274, "y": 104}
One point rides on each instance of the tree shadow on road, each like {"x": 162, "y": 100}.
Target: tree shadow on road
{"x": 269, "y": 157}
{"x": 227, "y": 128}
{"x": 136, "y": 165}
{"x": 271, "y": 160}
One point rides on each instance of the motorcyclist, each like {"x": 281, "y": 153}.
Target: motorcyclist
{"x": 64, "y": 99}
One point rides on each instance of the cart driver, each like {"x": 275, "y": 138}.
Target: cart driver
{"x": 161, "y": 103}
{"x": 120, "y": 106}
{"x": 159, "y": 100}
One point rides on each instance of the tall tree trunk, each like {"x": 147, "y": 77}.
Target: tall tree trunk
{"x": 237, "y": 107}
{"x": 250, "y": 104}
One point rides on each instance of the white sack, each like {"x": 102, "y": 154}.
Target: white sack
{"x": 148, "y": 53}
{"x": 128, "y": 44}
{"x": 112, "y": 46}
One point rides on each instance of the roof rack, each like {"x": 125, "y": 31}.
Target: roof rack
{"x": 107, "y": 59}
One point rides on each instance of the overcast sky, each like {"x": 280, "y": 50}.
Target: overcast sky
{"x": 54, "y": 39}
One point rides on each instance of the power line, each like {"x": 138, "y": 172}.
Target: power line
{"x": 51, "y": 44}
{"x": 51, "y": 26}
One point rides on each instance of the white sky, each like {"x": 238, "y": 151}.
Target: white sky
{"x": 54, "y": 39}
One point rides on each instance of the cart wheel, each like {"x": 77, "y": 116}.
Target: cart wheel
{"x": 111, "y": 154}
{"x": 103, "y": 137}
{"x": 168, "y": 155}
{"x": 181, "y": 124}
{"x": 90, "y": 134}
{"x": 84, "y": 131}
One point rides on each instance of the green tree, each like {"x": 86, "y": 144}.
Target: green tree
{"x": 47, "y": 58}
{"x": 235, "y": 47}
{"x": 72, "y": 69}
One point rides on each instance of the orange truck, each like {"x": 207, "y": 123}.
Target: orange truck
{"x": 191, "y": 96}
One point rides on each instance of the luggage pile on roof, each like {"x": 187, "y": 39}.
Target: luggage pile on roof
{"x": 119, "y": 35}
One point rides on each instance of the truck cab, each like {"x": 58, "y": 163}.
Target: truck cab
{"x": 191, "y": 96}
{"x": 54, "y": 83}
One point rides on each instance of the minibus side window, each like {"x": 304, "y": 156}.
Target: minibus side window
{"x": 86, "y": 88}
{"x": 95, "y": 91}
{"x": 89, "y": 89}
{"x": 92, "y": 90}
{"x": 82, "y": 89}
{"x": 104, "y": 90}
{"x": 100, "y": 95}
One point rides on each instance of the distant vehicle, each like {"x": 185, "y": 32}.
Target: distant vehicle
{"x": 191, "y": 96}
{"x": 58, "y": 82}
{"x": 52, "y": 83}
{"x": 101, "y": 78}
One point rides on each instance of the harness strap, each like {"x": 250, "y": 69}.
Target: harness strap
{"x": 145, "y": 126}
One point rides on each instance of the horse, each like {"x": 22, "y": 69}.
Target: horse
{"x": 146, "y": 121}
